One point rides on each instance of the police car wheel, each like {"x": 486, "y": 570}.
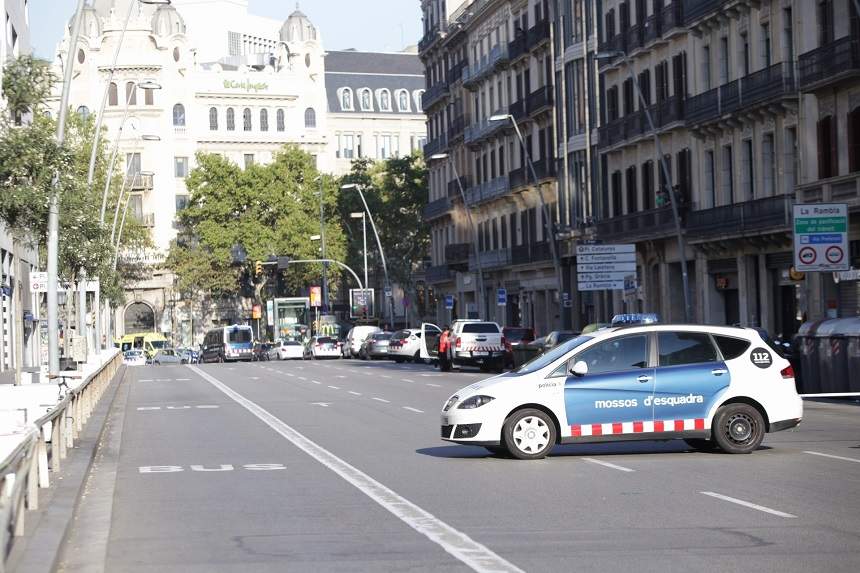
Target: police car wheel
{"x": 738, "y": 428}
{"x": 529, "y": 434}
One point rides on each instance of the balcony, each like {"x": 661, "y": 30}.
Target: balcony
{"x": 455, "y": 74}
{"x": 759, "y": 88}
{"x": 533, "y": 253}
{"x": 429, "y": 38}
{"x": 830, "y": 64}
{"x": 488, "y": 191}
{"x": 544, "y": 169}
{"x": 438, "y": 274}
{"x": 148, "y": 220}
{"x": 695, "y": 10}
{"x": 482, "y": 130}
{"x": 671, "y": 17}
{"x": 668, "y": 111}
{"x": 457, "y": 127}
{"x": 140, "y": 182}
{"x": 436, "y": 145}
{"x": 747, "y": 218}
{"x": 538, "y": 34}
{"x": 491, "y": 259}
{"x": 635, "y": 37}
{"x": 617, "y": 43}
{"x": 454, "y": 188}
{"x": 433, "y": 95}
{"x": 457, "y": 255}
{"x": 518, "y": 110}
{"x": 435, "y": 209}
{"x": 540, "y": 101}
{"x": 839, "y": 189}
{"x": 518, "y": 47}
{"x": 651, "y": 224}
{"x": 651, "y": 28}
{"x": 473, "y": 74}
{"x": 517, "y": 177}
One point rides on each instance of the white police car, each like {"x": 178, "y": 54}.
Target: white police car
{"x": 711, "y": 386}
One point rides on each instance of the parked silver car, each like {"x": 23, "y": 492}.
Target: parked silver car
{"x": 374, "y": 346}
{"x": 166, "y": 356}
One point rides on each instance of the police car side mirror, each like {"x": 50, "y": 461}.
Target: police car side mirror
{"x": 579, "y": 369}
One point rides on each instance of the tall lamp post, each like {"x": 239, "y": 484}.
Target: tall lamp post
{"x": 478, "y": 269}
{"x": 667, "y": 176}
{"x": 363, "y": 218}
{"x": 355, "y": 186}
{"x": 325, "y": 304}
{"x": 550, "y": 228}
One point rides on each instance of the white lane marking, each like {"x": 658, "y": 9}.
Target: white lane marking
{"x": 434, "y": 385}
{"x": 856, "y": 461}
{"x": 335, "y": 387}
{"x": 316, "y": 381}
{"x": 183, "y": 379}
{"x": 608, "y": 465}
{"x": 475, "y": 555}
{"x": 355, "y": 393}
{"x": 748, "y": 504}
{"x": 290, "y": 375}
{"x": 145, "y": 380}
{"x": 382, "y": 400}
{"x": 302, "y": 378}
{"x": 340, "y": 376}
{"x": 323, "y": 404}
{"x": 413, "y": 409}
{"x": 431, "y": 375}
{"x": 408, "y": 380}
{"x": 254, "y": 378}
{"x": 386, "y": 376}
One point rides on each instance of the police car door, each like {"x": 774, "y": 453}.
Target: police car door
{"x": 614, "y": 396}
{"x": 429, "y": 345}
{"x": 690, "y": 376}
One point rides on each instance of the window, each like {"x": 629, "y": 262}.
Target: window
{"x": 366, "y": 103}
{"x": 731, "y": 347}
{"x": 310, "y": 118}
{"x": 112, "y": 94}
{"x": 632, "y": 195}
{"x": 246, "y": 119}
{"x": 279, "y": 118}
{"x": 403, "y": 101}
{"x": 346, "y": 99}
{"x": 768, "y": 165}
{"x": 724, "y": 60}
{"x": 264, "y": 120}
{"x": 149, "y": 97}
{"x": 132, "y": 163}
{"x": 648, "y": 185}
{"x": 181, "y": 202}
{"x": 616, "y": 355}
{"x": 787, "y": 35}
{"x": 179, "y": 115}
{"x": 745, "y": 55}
{"x": 710, "y": 185}
{"x": 677, "y": 348}
{"x": 249, "y": 160}
{"x": 728, "y": 175}
{"x": 384, "y": 100}
{"x": 791, "y": 167}
{"x": 346, "y": 146}
{"x": 706, "y": 68}
{"x": 180, "y": 167}
{"x": 854, "y": 140}
{"x": 82, "y": 56}
{"x": 213, "y": 119}
{"x": 828, "y": 157}
{"x": 747, "y": 171}
{"x": 84, "y": 112}
{"x": 131, "y": 93}
{"x": 231, "y": 119}
{"x": 825, "y": 22}
{"x": 766, "y": 58}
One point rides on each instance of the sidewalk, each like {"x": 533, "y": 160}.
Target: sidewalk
{"x": 20, "y": 406}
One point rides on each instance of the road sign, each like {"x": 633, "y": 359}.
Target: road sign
{"x": 604, "y": 267}
{"x": 630, "y": 285}
{"x": 388, "y": 292}
{"x": 502, "y": 297}
{"x": 449, "y": 302}
{"x": 38, "y": 282}
{"x": 821, "y": 237}
{"x": 361, "y": 303}
{"x": 316, "y": 296}
{"x": 270, "y": 313}
{"x": 256, "y": 311}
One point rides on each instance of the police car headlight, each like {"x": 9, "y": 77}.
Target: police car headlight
{"x": 475, "y": 402}
{"x": 451, "y": 401}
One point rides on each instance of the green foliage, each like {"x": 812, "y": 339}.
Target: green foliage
{"x": 396, "y": 191}
{"x": 27, "y": 83}
{"x": 269, "y": 209}
{"x": 30, "y": 159}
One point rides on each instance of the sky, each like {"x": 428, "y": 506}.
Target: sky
{"x": 368, "y": 25}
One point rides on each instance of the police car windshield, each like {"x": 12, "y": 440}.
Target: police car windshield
{"x": 546, "y": 359}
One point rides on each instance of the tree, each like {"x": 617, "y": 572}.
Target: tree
{"x": 396, "y": 191}
{"x": 269, "y": 209}
{"x": 27, "y": 83}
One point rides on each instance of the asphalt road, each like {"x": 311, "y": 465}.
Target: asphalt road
{"x": 337, "y": 466}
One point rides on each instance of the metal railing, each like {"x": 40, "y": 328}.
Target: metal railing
{"x": 140, "y": 182}
{"x": 498, "y": 55}
{"x": 436, "y": 92}
{"x": 518, "y": 47}
{"x": 742, "y": 218}
{"x": 438, "y": 274}
{"x": 29, "y": 466}
{"x": 531, "y": 253}
{"x": 427, "y": 40}
{"x": 456, "y": 253}
{"x": 481, "y": 130}
{"x": 436, "y": 209}
{"x": 488, "y": 190}
{"x": 538, "y": 34}
{"x": 454, "y": 188}
{"x": 540, "y": 100}
{"x": 829, "y": 64}
{"x": 652, "y": 223}
{"x": 696, "y": 9}
{"x": 436, "y": 145}
{"x": 457, "y": 127}
{"x": 491, "y": 259}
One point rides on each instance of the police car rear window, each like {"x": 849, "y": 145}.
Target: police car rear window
{"x": 678, "y": 348}
{"x": 481, "y": 328}
{"x": 731, "y": 347}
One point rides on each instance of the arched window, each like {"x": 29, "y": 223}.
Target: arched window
{"x": 148, "y": 97}
{"x": 310, "y": 118}
{"x": 231, "y": 119}
{"x": 384, "y": 100}
{"x": 112, "y": 94}
{"x": 417, "y": 98}
{"x": 131, "y": 93}
{"x": 280, "y": 120}
{"x": 139, "y": 317}
{"x": 403, "y": 100}
{"x": 246, "y": 119}
{"x": 366, "y": 103}
{"x": 264, "y": 120}
{"x": 84, "y": 112}
{"x": 213, "y": 119}
{"x": 179, "y": 115}
{"x": 346, "y": 99}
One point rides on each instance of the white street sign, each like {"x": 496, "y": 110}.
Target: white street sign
{"x": 604, "y": 249}
{"x": 605, "y": 267}
{"x": 607, "y": 258}
{"x": 821, "y": 237}
{"x": 604, "y": 285}
{"x": 603, "y": 276}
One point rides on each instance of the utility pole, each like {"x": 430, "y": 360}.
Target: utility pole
{"x": 325, "y": 300}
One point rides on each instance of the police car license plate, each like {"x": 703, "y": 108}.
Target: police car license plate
{"x": 480, "y": 353}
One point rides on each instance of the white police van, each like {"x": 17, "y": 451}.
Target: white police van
{"x": 711, "y": 386}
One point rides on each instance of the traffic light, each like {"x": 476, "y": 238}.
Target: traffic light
{"x": 258, "y": 268}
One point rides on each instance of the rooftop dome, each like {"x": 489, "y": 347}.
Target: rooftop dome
{"x": 91, "y": 24}
{"x": 166, "y": 21}
{"x": 298, "y": 28}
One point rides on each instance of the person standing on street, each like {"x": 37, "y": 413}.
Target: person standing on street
{"x": 444, "y": 346}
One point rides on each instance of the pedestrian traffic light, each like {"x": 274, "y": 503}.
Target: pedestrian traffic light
{"x": 258, "y": 268}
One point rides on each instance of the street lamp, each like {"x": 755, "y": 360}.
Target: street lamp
{"x": 122, "y": 222}
{"x": 667, "y": 176}
{"x": 363, "y": 218}
{"x": 355, "y": 186}
{"x": 478, "y": 269}
{"x": 325, "y": 304}
{"x": 546, "y": 215}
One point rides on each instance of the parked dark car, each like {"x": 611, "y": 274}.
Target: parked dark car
{"x": 526, "y": 352}
{"x": 261, "y": 351}
{"x": 515, "y": 336}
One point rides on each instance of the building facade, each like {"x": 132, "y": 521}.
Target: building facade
{"x": 489, "y": 69}
{"x": 231, "y": 83}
